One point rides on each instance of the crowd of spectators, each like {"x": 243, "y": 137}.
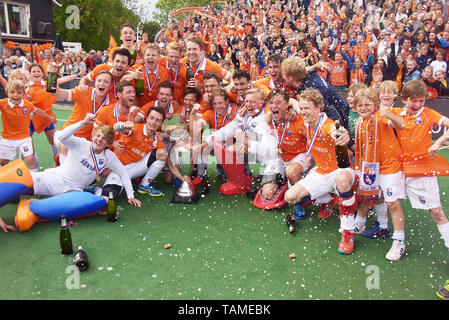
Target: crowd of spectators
{"x": 359, "y": 41}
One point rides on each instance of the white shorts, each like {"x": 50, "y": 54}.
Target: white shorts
{"x": 319, "y": 185}
{"x": 8, "y": 148}
{"x": 134, "y": 169}
{"x": 49, "y": 183}
{"x": 392, "y": 186}
{"x": 423, "y": 192}
{"x": 301, "y": 159}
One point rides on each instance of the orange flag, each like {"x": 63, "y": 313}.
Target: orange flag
{"x": 425, "y": 166}
{"x": 112, "y": 42}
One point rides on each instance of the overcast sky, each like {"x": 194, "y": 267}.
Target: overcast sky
{"x": 150, "y": 6}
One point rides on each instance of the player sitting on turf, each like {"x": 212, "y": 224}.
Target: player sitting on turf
{"x": 85, "y": 162}
{"x": 326, "y": 177}
{"x": 143, "y": 154}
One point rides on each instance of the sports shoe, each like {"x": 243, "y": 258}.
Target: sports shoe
{"x": 300, "y": 213}
{"x": 396, "y": 251}
{"x": 91, "y": 188}
{"x": 358, "y": 229}
{"x": 346, "y": 245}
{"x": 326, "y": 208}
{"x": 221, "y": 175}
{"x": 443, "y": 292}
{"x": 291, "y": 222}
{"x": 376, "y": 232}
{"x": 201, "y": 184}
{"x": 150, "y": 190}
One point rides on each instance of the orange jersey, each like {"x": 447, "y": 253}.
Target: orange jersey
{"x": 109, "y": 115}
{"x": 151, "y": 81}
{"x": 323, "y": 147}
{"x": 389, "y": 147}
{"x": 84, "y": 103}
{"x": 416, "y": 138}
{"x": 143, "y": 111}
{"x": 291, "y": 137}
{"x": 16, "y": 119}
{"x": 137, "y": 145}
{"x": 386, "y": 146}
{"x": 92, "y": 76}
{"x": 215, "y": 121}
{"x": 204, "y": 66}
{"x": 176, "y": 79}
{"x": 38, "y": 95}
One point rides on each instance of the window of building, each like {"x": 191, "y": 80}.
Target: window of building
{"x": 14, "y": 18}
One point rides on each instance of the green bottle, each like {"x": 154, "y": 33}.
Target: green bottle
{"x": 111, "y": 210}
{"x": 189, "y": 73}
{"x": 139, "y": 87}
{"x": 51, "y": 82}
{"x": 341, "y": 151}
{"x": 65, "y": 237}
{"x": 134, "y": 57}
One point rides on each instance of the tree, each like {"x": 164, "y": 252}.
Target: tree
{"x": 152, "y": 28}
{"x": 97, "y": 19}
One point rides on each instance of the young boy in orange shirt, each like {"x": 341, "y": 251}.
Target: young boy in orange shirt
{"x": 377, "y": 161}
{"x": 16, "y": 113}
{"x": 421, "y": 165}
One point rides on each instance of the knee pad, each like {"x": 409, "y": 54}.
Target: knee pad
{"x": 276, "y": 202}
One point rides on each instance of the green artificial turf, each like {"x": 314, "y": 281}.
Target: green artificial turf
{"x": 223, "y": 248}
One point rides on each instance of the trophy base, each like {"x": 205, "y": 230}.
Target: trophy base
{"x": 193, "y": 199}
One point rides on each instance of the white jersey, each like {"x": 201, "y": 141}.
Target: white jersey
{"x": 262, "y": 141}
{"x": 80, "y": 168}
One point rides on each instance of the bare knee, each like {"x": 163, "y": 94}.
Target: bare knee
{"x": 269, "y": 190}
{"x": 438, "y": 215}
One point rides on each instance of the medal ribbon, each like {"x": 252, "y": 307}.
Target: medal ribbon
{"x": 98, "y": 169}
{"x": 151, "y": 85}
{"x": 315, "y": 134}
{"x": 106, "y": 99}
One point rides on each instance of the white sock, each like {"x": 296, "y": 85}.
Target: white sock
{"x": 54, "y": 149}
{"x": 347, "y": 223}
{"x": 36, "y": 159}
{"x": 381, "y": 213}
{"x": 152, "y": 172}
{"x": 360, "y": 221}
{"x": 399, "y": 235}
{"x": 444, "y": 231}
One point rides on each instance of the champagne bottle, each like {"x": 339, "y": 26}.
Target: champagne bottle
{"x": 139, "y": 87}
{"x": 52, "y": 82}
{"x": 341, "y": 151}
{"x": 134, "y": 56}
{"x": 189, "y": 73}
{"x": 111, "y": 210}
{"x": 65, "y": 237}
{"x": 81, "y": 259}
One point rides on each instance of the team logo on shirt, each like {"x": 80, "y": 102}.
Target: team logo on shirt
{"x": 369, "y": 174}
{"x": 24, "y": 110}
{"x": 422, "y": 199}
{"x": 418, "y": 121}
{"x": 289, "y": 132}
{"x": 389, "y": 192}
{"x": 25, "y": 149}
{"x": 100, "y": 162}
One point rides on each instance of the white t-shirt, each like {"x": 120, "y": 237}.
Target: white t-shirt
{"x": 81, "y": 167}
